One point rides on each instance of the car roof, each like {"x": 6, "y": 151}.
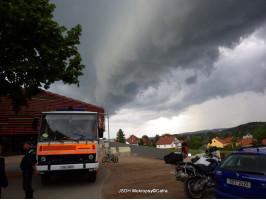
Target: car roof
{"x": 252, "y": 150}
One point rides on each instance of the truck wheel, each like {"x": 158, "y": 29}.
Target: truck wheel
{"x": 92, "y": 176}
{"x": 46, "y": 178}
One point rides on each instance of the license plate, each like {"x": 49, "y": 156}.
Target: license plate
{"x": 240, "y": 183}
{"x": 67, "y": 167}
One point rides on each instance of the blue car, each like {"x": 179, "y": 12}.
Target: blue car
{"x": 242, "y": 175}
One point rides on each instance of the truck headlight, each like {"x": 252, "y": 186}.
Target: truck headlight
{"x": 90, "y": 157}
{"x": 43, "y": 158}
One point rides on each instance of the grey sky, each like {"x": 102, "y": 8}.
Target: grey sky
{"x": 162, "y": 57}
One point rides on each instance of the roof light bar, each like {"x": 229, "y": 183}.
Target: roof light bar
{"x": 70, "y": 109}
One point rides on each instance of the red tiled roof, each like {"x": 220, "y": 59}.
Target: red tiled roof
{"x": 165, "y": 140}
{"x": 263, "y": 141}
{"x": 228, "y": 140}
{"x": 132, "y": 139}
{"x": 220, "y": 140}
{"x": 246, "y": 142}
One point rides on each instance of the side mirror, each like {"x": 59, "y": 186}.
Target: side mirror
{"x": 100, "y": 132}
{"x": 34, "y": 123}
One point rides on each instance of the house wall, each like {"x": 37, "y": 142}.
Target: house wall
{"x": 167, "y": 146}
{"x": 217, "y": 143}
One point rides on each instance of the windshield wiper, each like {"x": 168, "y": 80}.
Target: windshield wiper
{"x": 75, "y": 140}
{"x": 83, "y": 136}
{"x": 249, "y": 172}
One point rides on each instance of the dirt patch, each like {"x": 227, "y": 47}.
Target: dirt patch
{"x": 141, "y": 177}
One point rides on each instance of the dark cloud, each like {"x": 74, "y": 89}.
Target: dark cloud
{"x": 131, "y": 47}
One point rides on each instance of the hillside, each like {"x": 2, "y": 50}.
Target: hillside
{"x": 242, "y": 130}
{"x": 238, "y": 131}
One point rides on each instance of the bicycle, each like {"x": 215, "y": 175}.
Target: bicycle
{"x": 110, "y": 158}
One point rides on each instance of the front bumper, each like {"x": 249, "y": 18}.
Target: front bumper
{"x": 45, "y": 168}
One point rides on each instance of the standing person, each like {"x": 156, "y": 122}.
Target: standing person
{"x": 28, "y": 165}
{"x": 184, "y": 148}
{"x": 3, "y": 179}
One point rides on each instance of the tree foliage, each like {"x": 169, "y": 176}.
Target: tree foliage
{"x": 141, "y": 142}
{"x": 34, "y": 50}
{"x": 259, "y": 134}
{"x": 120, "y": 136}
{"x": 166, "y": 135}
{"x": 155, "y": 140}
{"x": 145, "y": 137}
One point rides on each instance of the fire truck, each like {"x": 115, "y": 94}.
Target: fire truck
{"x": 68, "y": 140}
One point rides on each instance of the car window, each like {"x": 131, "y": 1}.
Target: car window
{"x": 252, "y": 164}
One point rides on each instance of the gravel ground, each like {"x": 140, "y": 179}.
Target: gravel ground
{"x": 140, "y": 177}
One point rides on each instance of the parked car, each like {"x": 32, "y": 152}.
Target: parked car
{"x": 242, "y": 174}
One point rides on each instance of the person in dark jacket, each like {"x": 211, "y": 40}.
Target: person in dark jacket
{"x": 3, "y": 179}
{"x": 28, "y": 166}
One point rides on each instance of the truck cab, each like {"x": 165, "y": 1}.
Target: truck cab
{"x": 68, "y": 140}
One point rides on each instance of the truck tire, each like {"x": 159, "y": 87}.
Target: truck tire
{"x": 46, "y": 179}
{"x": 92, "y": 176}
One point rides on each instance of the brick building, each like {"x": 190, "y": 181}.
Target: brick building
{"x": 15, "y": 129}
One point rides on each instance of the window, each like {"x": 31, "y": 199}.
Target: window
{"x": 253, "y": 164}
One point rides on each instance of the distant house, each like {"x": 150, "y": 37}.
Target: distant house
{"x": 132, "y": 140}
{"x": 263, "y": 141}
{"x": 228, "y": 142}
{"x": 167, "y": 143}
{"x": 218, "y": 142}
{"x": 248, "y": 136}
{"x": 246, "y": 142}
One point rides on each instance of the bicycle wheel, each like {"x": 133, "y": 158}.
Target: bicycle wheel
{"x": 104, "y": 159}
{"x": 115, "y": 159}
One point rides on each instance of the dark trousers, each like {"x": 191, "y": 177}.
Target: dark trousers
{"x": 27, "y": 178}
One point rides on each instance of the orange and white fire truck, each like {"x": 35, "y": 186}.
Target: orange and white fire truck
{"x": 68, "y": 140}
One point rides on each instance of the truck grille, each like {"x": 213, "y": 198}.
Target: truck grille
{"x": 66, "y": 159}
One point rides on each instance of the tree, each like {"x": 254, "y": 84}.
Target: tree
{"x": 256, "y": 142}
{"x": 234, "y": 141}
{"x": 34, "y": 50}
{"x": 195, "y": 142}
{"x": 166, "y": 135}
{"x": 145, "y": 137}
{"x": 259, "y": 134}
{"x": 156, "y": 138}
{"x": 141, "y": 142}
{"x": 120, "y": 136}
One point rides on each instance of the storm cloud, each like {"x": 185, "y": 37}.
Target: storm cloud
{"x": 166, "y": 55}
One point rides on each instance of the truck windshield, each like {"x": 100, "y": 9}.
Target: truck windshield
{"x": 60, "y": 127}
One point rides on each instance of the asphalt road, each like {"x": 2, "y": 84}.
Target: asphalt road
{"x": 69, "y": 186}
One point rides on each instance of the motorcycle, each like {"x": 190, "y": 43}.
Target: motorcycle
{"x": 197, "y": 175}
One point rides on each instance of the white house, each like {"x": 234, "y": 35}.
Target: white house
{"x": 168, "y": 143}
